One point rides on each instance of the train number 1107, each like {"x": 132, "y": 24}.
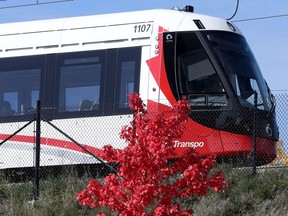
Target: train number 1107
{"x": 142, "y": 28}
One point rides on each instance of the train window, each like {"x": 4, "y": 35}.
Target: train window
{"x": 126, "y": 82}
{"x": 84, "y": 78}
{"x": 127, "y": 78}
{"x": 197, "y": 75}
{"x": 241, "y": 68}
{"x": 207, "y": 100}
{"x": 80, "y": 80}
{"x": 16, "y": 97}
{"x": 11, "y": 99}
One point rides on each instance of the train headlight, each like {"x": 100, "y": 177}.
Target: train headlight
{"x": 268, "y": 130}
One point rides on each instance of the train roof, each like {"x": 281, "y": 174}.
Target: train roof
{"x": 164, "y": 15}
{"x": 98, "y": 29}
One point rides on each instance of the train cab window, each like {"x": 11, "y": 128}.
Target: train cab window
{"x": 80, "y": 81}
{"x": 197, "y": 77}
{"x": 17, "y": 97}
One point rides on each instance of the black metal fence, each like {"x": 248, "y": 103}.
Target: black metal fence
{"x": 38, "y": 147}
{"x": 282, "y": 121}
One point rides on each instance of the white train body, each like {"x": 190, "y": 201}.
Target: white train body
{"x": 102, "y": 33}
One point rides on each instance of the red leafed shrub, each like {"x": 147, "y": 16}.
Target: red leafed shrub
{"x": 145, "y": 184}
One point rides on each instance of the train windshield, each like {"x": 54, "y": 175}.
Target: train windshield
{"x": 241, "y": 68}
{"x": 198, "y": 78}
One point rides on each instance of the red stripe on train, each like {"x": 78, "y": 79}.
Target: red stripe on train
{"x": 52, "y": 142}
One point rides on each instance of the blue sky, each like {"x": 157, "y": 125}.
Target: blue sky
{"x": 268, "y": 38}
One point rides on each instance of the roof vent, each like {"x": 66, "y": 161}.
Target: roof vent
{"x": 175, "y": 8}
{"x": 188, "y": 8}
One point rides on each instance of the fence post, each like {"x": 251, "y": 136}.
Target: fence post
{"x": 37, "y": 152}
{"x": 255, "y": 134}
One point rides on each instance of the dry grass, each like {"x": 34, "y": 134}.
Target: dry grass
{"x": 265, "y": 194}
{"x": 248, "y": 195}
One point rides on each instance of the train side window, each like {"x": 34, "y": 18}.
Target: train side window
{"x": 127, "y": 77}
{"x": 80, "y": 77}
{"x": 15, "y": 73}
{"x": 11, "y": 99}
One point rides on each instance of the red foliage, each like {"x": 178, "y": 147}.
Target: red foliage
{"x": 148, "y": 186}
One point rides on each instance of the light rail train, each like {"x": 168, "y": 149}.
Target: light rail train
{"x": 82, "y": 68}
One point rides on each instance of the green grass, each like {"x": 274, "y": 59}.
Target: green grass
{"x": 263, "y": 194}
